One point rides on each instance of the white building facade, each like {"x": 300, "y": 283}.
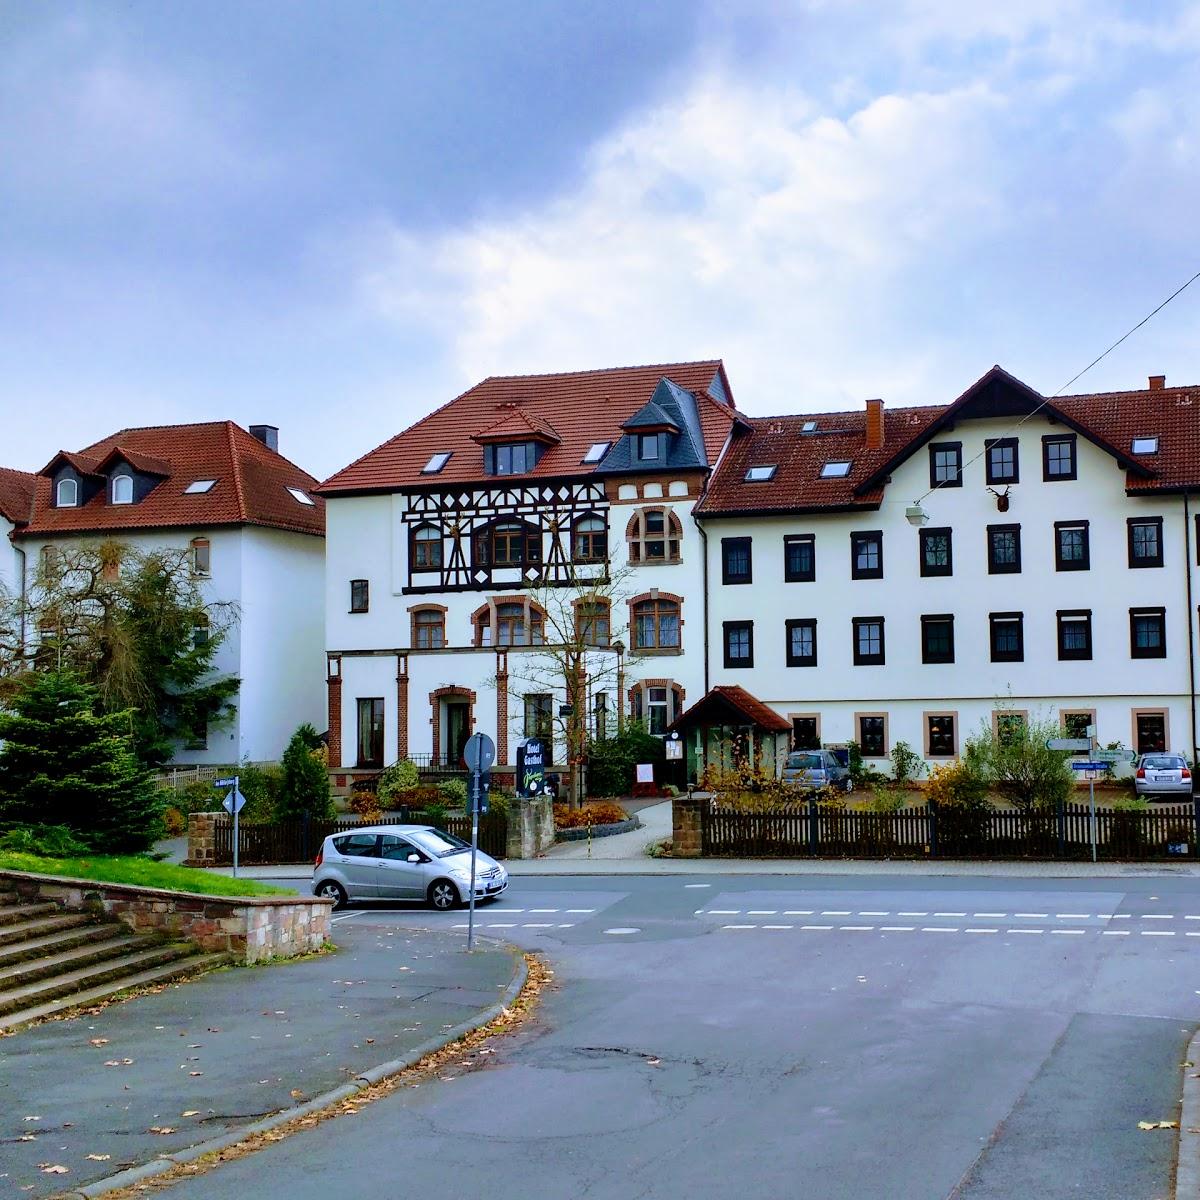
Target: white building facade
{"x": 253, "y": 534}
{"x": 455, "y": 552}
{"x": 1054, "y": 578}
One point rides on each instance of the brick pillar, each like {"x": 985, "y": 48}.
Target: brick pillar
{"x": 202, "y": 839}
{"x": 401, "y": 706}
{"x": 686, "y": 841}
{"x": 620, "y": 692}
{"x": 501, "y": 707}
{"x": 334, "y": 683}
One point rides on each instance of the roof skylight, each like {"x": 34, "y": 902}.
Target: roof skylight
{"x": 198, "y": 486}
{"x": 1145, "y": 445}
{"x": 437, "y": 462}
{"x": 808, "y": 427}
{"x": 835, "y": 470}
{"x": 303, "y": 497}
{"x": 760, "y": 474}
{"x": 596, "y": 451}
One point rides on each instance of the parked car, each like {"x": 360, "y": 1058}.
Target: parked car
{"x": 404, "y": 862}
{"x": 1162, "y": 775}
{"x": 815, "y": 769}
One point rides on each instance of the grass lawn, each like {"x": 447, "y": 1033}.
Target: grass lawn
{"x": 140, "y": 872}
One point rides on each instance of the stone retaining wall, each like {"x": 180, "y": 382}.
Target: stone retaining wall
{"x": 250, "y": 928}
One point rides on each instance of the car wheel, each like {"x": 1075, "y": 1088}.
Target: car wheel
{"x": 330, "y": 889}
{"x": 443, "y": 895}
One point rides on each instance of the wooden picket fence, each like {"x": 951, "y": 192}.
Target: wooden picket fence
{"x": 933, "y": 831}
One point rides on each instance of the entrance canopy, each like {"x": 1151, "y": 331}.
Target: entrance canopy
{"x": 727, "y": 724}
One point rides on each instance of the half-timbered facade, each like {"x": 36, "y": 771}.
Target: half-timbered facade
{"x": 460, "y": 551}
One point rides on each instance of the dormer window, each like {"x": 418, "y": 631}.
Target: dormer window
{"x": 436, "y": 463}
{"x": 835, "y": 470}
{"x": 198, "y": 487}
{"x": 1145, "y": 445}
{"x": 302, "y": 497}
{"x": 514, "y": 458}
{"x": 647, "y": 447}
{"x": 122, "y": 489}
{"x": 760, "y": 474}
{"x": 66, "y": 494}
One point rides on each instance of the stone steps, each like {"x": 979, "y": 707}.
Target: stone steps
{"x": 105, "y": 942}
{"x": 22, "y": 931}
{"x": 13, "y": 914}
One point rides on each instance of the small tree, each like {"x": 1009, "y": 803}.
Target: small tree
{"x": 63, "y": 763}
{"x": 1017, "y": 764}
{"x": 304, "y": 788}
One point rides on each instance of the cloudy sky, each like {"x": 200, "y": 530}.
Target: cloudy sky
{"x": 333, "y": 217}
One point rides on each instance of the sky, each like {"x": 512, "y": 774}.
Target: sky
{"x": 335, "y": 217}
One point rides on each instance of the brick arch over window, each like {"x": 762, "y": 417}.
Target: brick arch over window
{"x": 428, "y": 626}
{"x": 494, "y": 623}
{"x": 452, "y": 692}
{"x": 592, "y": 616}
{"x": 653, "y": 633}
{"x": 654, "y": 535}
{"x": 642, "y": 702}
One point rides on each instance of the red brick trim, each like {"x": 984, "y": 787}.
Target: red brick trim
{"x": 333, "y": 683}
{"x": 401, "y": 706}
{"x": 501, "y": 707}
{"x": 439, "y": 694}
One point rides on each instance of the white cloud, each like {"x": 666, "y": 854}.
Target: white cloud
{"x": 736, "y": 220}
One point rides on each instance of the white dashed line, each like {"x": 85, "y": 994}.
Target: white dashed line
{"x": 798, "y": 912}
{"x": 1191, "y": 918}
{"x": 779, "y": 927}
{"x": 568, "y": 925}
{"x": 856, "y": 928}
{"x": 762, "y": 912}
{"x": 1072, "y": 916}
{"x": 726, "y": 927}
{"x": 585, "y": 910}
{"x": 1191, "y": 934}
{"x": 724, "y": 912}
{"x": 512, "y": 910}
{"x": 1120, "y": 916}
{"x": 949, "y": 914}
{"x": 992, "y": 915}
{"x": 835, "y": 912}
{"x": 1031, "y": 914}
{"x": 538, "y": 925}
{"x": 1157, "y": 932}
{"x": 1026, "y": 930}
{"x": 938, "y": 929}
{"x": 912, "y": 914}
{"x": 621, "y": 930}
{"x": 1158, "y": 916}
{"x": 543, "y": 910}
{"x": 866, "y": 912}
{"x": 1115, "y": 932}
{"x": 697, "y": 885}
{"x": 503, "y": 925}
{"x": 896, "y": 928}
{"x": 981, "y": 931}
{"x": 1079, "y": 932}
{"x": 816, "y": 926}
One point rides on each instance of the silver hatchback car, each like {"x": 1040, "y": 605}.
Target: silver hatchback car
{"x": 1162, "y": 775}
{"x": 404, "y": 862}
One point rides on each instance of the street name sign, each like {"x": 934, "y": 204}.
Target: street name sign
{"x": 1075, "y": 744}
{"x": 1088, "y": 766}
{"x": 1114, "y": 756}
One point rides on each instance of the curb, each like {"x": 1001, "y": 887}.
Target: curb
{"x": 366, "y": 1079}
{"x": 1187, "y": 1167}
{"x": 580, "y": 832}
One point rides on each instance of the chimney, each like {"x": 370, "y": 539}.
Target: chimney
{"x": 874, "y": 424}
{"x": 267, "y": 434}
{"x": 1157, "y": 382}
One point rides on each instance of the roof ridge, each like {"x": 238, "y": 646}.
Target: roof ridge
{"x": 148, "y": 428}
{"x": 236, "y": 465}
{"x": 696, "y": 362}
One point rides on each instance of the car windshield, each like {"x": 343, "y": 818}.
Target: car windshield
{"x": 437, "y": 843}
{"x": 805, "y": 762}
{"x": 1162, "y": 762}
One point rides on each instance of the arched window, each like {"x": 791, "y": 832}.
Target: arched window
{"x": 426, "y": 550}
{"x": 122, "y": 489}
{"x": 507, "y": 544}
{"x": 66, "y": 495}
{"x": 593, "y": 626}
{"x": 589, "y": 542}
{"x": 201, "y": 556}
{"x": 429, "y": 628}
{"x": 654, "y": 535}
{"x": 656, "y": 625}
{"x": 510, "y": 623}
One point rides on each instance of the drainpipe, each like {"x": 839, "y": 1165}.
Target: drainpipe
{"x": 704, "y": 539}
{"x": 1187, "y": 544}
{"x": 21, "y": 562}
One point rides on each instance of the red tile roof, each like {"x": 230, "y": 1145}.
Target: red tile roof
{"x": 16, "y": 494}
{"x": 250, "y": 489}
{"x": 1110, "y": 419}
{"x": 728, "y": 695}
{"x": 581, "y": 407}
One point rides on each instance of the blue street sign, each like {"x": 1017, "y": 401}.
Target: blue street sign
{"x": 1088, "y": 766}
{"x": 230, "y": 782}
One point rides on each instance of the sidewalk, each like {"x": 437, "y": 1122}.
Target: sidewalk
{"x": 203, "y": 1059}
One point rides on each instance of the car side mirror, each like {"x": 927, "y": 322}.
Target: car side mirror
{"x": 415, "y": 858}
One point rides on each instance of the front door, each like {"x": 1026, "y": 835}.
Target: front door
{"x": 458, "y": 730}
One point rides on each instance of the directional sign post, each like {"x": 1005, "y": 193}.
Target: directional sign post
{"x": 1114, "y": 756}
{"x": 233, "y": 803}
{"x": 479, "y": 754}
{"x": 1073, "y": 744}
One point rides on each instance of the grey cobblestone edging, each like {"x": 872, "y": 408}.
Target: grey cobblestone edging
{"x": 364, "y": 1079}
{"x": 597, "y": 831}
{"x": 1187, "y": 1169}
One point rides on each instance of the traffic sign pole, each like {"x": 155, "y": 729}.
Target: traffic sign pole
{"x": 236, "y": 809}
{"x": 479, "y": 754}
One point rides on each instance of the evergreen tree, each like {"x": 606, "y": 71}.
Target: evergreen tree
{"x": 63, "y": 763}
{"x": 304, "y": 790}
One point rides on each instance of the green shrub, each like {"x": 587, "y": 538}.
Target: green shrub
{"x": 1020, "y": 767}
{"x": 174, "y": 821}
{"x": 612, "y": 761}
{"x": 199, "y": 796}
{"x": 886, "y": 798}
{"x": 261, "y": 786}
{"x": 304, "y": 786}
{"x": 395, "y": 782}
{"x": 453, "y": 793}
{"x": 500, "y": 800}
{"x": 907, "y": 764}
{"x": 48, "y": 841}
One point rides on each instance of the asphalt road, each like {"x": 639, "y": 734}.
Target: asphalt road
{"x": 834, "y": 1037}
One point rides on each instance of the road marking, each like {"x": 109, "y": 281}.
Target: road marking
{"x": 867, "y": 912}
{"x": 509, "y": 910}
{"x": 334, "y": 920}
{"x": 1080, "y": 932}
{"x": 581, "y": 910}
{"x": 1031, "y": 914}
{"x": 835, "y": 912}
{"x": 981, "y": 931}
{"x": 1189, "y": 934}
{"x": 949, "y": 914}
{"x": 896, "y": 928}
{"x": 538, "y": 925}
{"x": 1115, "y": 932}
{"x": 724, "y": 912}
{"x": 1120, "y": 916}
{"x": 779, "y": 927}
{"x": 857, "y": 928}
{"x": 543, "y": 910}
{"x": 912, "y": 914}
{"x": 1026, "y": 930}
{"x": 989, "y": 914}
{"x": 816, "y": 926}
{"x": 1158, "y": 916}
{"x": 697, "y": 885}
{"x": 723, "y": 927}
{"x": 620, "y": 930}
{"x": 1157, "y": 932}
{"x": 503, "y": 925}
{"x": 1191, "y": 918}
{"x": 762, "y": 912}
{"x": 568, "y": 925}
{"x": 1072, "y": 916}
{"x": 938, "y": 929}
{"x": 797, "y": 912}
